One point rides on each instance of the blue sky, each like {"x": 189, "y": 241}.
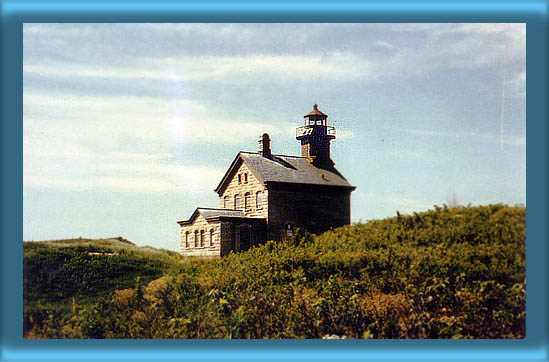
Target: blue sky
{"x": 129, "y": 127}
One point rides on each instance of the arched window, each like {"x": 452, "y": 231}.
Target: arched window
{"x": 247, "y": 201}
{"x": 259, "y": 200}
{"x": 245, "y": 178}
{"x": 202, "y": 236}
{"x": 239, "y": 179}
{"x": 187, "y": 240}
{"x": 226, "y": 202}
{"x": 195, "y": 238}
{"x": 237, "y": 202}
{"x": 211, "y": 237}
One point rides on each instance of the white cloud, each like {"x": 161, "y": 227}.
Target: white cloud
{"x": 109, "y": 121}
{"x": 391, "y": 201}
{"x": 432, "y": 48}
{"x": 213, "y": 131}
{"x": 331, "y": 65}
{"x": 515, "y": 84}
{"x": 122, "y": 143}
{"x": 509, "y": 140}
{"x": 445, "y": 47}
{"x": 510, "y": 29}
{"x": 439, "y": 46}
{"x": 58, "y": 29}
{"x": 342, "y": 134}
{"x": 182, "y": 29}
{"x": 408, "y": 205}
{"x": 71, "y": 166}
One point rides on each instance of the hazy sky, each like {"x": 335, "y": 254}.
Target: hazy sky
{"x": 129, "y": 127}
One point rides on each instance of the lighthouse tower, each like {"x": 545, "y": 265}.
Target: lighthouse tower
{"x": 315, "y": 137}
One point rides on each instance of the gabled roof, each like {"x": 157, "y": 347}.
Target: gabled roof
{"x": 210, "y": 213}
{"x": 285, "y": 169}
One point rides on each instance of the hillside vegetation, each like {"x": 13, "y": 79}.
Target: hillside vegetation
{"x": 444, "y": 273}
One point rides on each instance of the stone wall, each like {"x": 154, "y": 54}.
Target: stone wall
{"x": 312, "y": 208}
{"x": 232, "y": 236}
{"x": 237, "y": 235}
{"x": 200, "y": 224}
{"x": 251, "y": 185}
{"x": 227, "y": 237}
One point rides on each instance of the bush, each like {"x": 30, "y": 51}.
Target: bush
{"x": 445, "y": 273}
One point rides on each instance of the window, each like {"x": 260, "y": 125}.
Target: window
{"x": 195, "y": 238}
{"x": 237, "y": 202}
{"x": 247, "y": 201}
{"x": 239, "y": 179}
{"x": 211, "y": 237}
{"x": 202, "y": 236}
{"x": 245, "y": 178}
{"x": 226, "y": 202}
{"x": 187, "y": 240}
{"x": 259, "y": 200}
{"x": 289, "y": 229}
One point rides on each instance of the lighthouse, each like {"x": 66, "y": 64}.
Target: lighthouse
{"x": 315, "y": 137}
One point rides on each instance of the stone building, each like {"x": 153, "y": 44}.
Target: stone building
{"x": 264, "y": 196}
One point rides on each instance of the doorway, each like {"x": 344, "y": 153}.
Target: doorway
{"x": 244, "y": 238}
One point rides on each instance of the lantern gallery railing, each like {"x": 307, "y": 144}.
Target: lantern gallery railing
{"x": 308, "y": 130}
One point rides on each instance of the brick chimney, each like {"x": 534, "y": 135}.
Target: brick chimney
{"x": 265, "y": 145}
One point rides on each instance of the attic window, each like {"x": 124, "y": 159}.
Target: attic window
{"x": 245, "y": 178}
{"x": 239, "y": 179}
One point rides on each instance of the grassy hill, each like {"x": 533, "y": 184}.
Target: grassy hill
{"x": 56, "y": 270}
{"x": 58, "y": 273}
{"x": 445, "y": 273}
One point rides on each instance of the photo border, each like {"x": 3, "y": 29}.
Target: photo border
{"x": 14, "y": 13}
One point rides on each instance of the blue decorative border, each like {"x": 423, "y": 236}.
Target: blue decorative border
{"x": 15, "y": 13}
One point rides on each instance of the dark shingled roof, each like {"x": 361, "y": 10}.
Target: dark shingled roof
{"x": 287, "y": 169}
{"x": 210, "y": 213}
{"x": 291, "y": 169}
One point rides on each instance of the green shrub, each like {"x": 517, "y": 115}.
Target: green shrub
{"x": 445, "y": 273}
